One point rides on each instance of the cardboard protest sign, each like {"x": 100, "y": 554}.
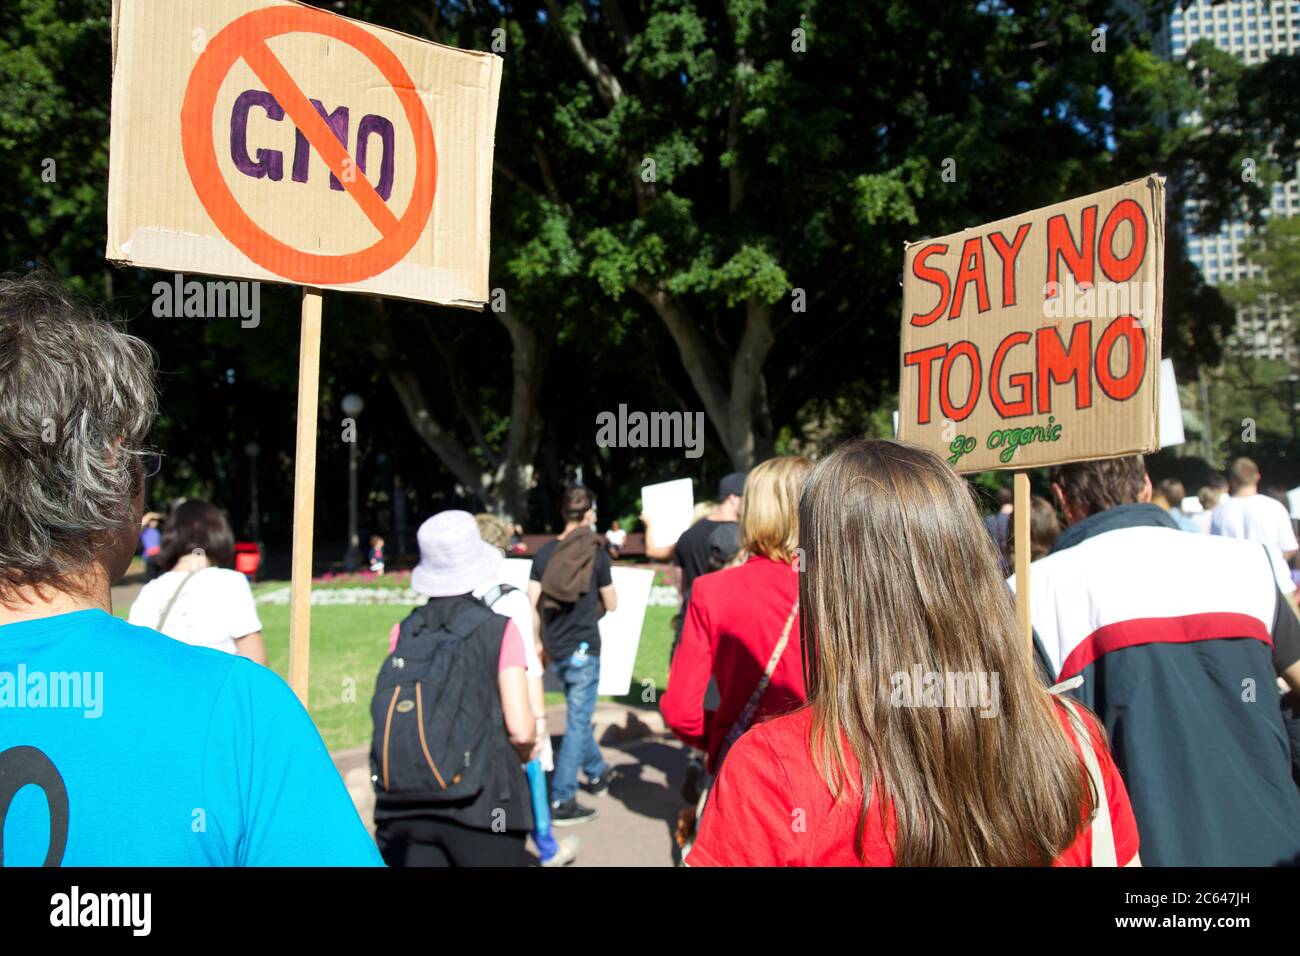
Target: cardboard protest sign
{"x": 670, "y": 506}
{"x": 270, "y": 140}
{"x": 620, "y": 629}
{"x": 1035, "y": 340}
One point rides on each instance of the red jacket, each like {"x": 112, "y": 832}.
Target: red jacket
{"x": 733, "y": 622}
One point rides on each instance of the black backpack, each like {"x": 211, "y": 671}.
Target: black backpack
{"x": 436, "y": 710}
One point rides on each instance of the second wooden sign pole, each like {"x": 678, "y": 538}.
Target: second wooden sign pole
{"x": 1023, "y": 522}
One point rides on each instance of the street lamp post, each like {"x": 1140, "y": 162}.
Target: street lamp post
{"x": 252, "y": 451}
{"x": 353, "y": 405}
{"x": 399, "y": 513}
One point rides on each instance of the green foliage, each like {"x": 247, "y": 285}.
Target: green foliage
{"x": 774, "y": 170}
{"x": 1250, "y": 408}
{"x": 1276, "y": 250}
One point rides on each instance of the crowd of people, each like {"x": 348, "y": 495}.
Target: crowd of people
{"x": 847, "y": 664}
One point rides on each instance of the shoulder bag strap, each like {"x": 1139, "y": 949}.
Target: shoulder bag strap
{"x": 688, "y": 828}
{"x": 747, "y": 715}
{"x": 172, "y": 603}
{"x": 1103, "y": 837}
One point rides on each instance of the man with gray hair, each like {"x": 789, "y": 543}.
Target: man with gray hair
{"x": 139, "y": 750}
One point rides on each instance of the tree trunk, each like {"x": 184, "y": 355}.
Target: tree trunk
{"x": 735, "y": 400}
{"x": 529, "y": 356}
{"x": 502, "y": 489}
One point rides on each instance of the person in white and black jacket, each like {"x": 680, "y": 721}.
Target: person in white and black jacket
{"x": 1180, "y": 640}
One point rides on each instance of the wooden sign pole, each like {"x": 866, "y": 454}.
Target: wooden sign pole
{"x": 1022, "y": 526}
{"x": 304, "y": 493}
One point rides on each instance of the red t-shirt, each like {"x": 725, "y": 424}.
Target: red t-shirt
{"x": 769, "y": 807}
{"x": 733, "y": 622}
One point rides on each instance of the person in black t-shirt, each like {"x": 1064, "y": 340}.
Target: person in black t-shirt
{"x": 691, "y": 552}
{"x": 571, "y": 587}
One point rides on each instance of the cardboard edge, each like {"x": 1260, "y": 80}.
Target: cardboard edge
{"x": 487, "y": 155}
{"x": 1159, "y": 198}
{"x": 376, "y": 28}
{"x": 113, "y": 199}
{"x": 994, "y": 223}
{"x": 113, "y": 38}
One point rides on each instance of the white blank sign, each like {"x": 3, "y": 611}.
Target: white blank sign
{"x": 1171, "y": 410}
{"x": 670, "y": 506}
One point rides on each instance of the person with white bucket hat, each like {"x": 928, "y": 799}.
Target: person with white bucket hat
{"x": 452, "y": 718}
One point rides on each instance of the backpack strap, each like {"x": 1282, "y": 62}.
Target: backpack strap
{"x": 462, "y": 624}
{"x": 1103, "y": 835}
{"x": 497, "y": 593}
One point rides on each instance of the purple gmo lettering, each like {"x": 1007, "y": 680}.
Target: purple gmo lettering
{"x": 370, "y": 123}
{"x": 338, "y": 122}
{"x": 269, "y": 163}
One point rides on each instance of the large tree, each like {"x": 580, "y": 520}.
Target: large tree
{"x": 674, "y": 182}
{"x": 749, "y": 170}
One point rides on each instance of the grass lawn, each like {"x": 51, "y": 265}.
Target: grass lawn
{"x": 349, "y": 642}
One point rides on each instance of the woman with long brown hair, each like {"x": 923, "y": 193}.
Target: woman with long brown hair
{"x": 928, "y": 739}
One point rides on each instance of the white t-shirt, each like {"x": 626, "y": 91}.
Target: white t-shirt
{"x": 616, "y": 538}
{"x": 214, "y": 610}
{"x": 516, "y": 606}
{"x": 1255, "y": 518}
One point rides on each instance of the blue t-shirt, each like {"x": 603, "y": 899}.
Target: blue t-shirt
{"x": 156, "y": 753}
{"x": 1184, "y": 521}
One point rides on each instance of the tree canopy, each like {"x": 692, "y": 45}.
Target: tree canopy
{"x": 696, "y": 207}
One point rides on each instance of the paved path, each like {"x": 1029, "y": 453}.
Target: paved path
{"x": 636, "y": 818}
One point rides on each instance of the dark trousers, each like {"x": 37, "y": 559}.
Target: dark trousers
{"x": 430, "y": 841}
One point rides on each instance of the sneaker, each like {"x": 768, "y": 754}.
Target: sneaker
{"x": 566, "y": 854}
{"x": 599, "y": 786}
{"x": 568, "y": 813}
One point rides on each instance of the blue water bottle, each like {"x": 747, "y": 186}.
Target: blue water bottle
{"x": 580, "y": 656}
{"x": 547, "y": 845}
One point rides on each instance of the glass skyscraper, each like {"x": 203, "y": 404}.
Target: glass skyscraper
{"x": 1252, "y": 30}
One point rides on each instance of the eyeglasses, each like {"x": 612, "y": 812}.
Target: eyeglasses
{"x": 150, "y": 463}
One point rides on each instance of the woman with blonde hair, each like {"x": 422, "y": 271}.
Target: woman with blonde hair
{"x": 928, "y": 739}
{"x": 742, "y": 623}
